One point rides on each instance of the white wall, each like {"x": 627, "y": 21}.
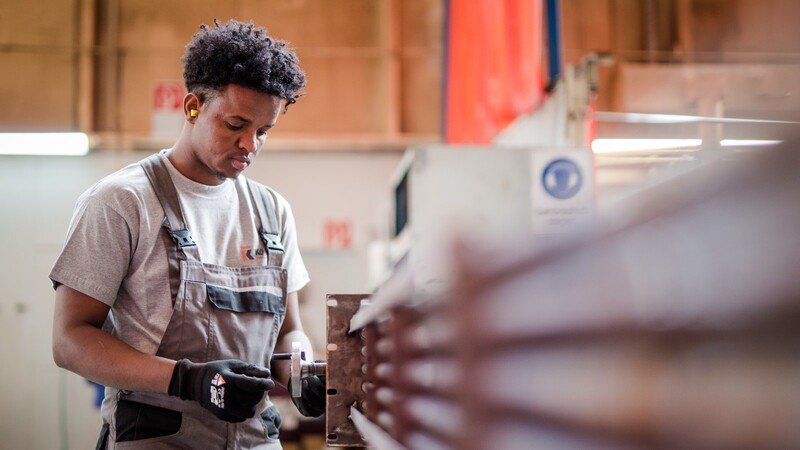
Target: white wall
{"x": 46, "y": 407}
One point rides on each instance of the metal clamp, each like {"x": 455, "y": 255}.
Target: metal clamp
{"x": 299, "y": 369}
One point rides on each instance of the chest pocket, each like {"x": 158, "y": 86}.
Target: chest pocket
{"x": 245, "y": 323}
{"x": 245, "y": 301}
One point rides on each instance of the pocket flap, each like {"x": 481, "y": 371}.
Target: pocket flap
{"x": 245, "y": 301}
{"x": 136, "y": 421}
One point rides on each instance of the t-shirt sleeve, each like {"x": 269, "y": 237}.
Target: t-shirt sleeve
{"x": 96, "y": 253}
{"x": 292, "y": 261}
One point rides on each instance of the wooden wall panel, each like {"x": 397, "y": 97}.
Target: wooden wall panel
{"x": 587, "y": 25}
{"x": 337, "y": 43}
{"x": 693, "y": 31}
{"x": 756, "y": 29}
{"x": 167, "y": 25}
{"x": 421, "y": 58}
{"x": 592, "y": 26}
{"x": 139, "y": 73}
{"x": 714, "y": 23}
{"x": 37, "y": 80}
{"x": 36, "y": 92}
{"x": 422, "y": 93}
{"x": 318, "y": 24}
{"x": 748, "y": 26}
{"x": 369, "y": 72}
{"x": 339, "y": 48}
{"x": 40, "y": 23}
{"x": 343, "y": 96}
{"x": 152, "y": 36}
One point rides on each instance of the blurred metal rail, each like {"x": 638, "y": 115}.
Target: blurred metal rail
{"x": 673, "y": 324}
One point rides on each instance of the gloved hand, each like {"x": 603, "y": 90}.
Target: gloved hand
{"x": 312, "y": 398}
{"x": 230, "y": 389}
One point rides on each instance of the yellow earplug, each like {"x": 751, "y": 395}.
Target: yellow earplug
{"x": 193, "y": 113}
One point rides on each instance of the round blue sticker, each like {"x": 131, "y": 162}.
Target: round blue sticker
{"x": 562, "y": 179}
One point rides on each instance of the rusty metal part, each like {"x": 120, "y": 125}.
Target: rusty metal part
{"x": 372, "y": 357}
{"x": 344, "y": 371}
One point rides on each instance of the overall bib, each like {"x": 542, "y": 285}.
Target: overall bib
{"x": 218, "y": 313}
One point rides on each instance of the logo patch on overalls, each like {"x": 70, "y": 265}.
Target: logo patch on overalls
{"x": 218, "y": 391}
{"x": 249, "y": 253}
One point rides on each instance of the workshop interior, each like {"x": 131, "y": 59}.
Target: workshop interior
{"x": 528, "y": 224}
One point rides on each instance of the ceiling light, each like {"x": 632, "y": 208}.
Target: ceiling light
{"x": 747, "y": 142}
{"x": 640, "y": 145}
{"x": 627, "y": 117}
{"x": 56, "y": 144}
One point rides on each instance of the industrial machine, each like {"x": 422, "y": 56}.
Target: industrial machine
{"x": 485, "y": 193}
{"x": 671, "y": 326}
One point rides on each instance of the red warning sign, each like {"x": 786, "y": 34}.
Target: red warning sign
{"x": 337, "y": 233}
{"x": 167, "y": 96}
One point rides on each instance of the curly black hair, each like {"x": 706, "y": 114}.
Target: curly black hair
{"x": 243, "y": 54}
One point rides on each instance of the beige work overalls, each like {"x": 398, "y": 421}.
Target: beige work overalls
{"x": 218, "y": 313}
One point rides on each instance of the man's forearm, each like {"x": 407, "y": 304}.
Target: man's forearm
{"x": 104, "y": 359}
{"x": 80, "y": 346}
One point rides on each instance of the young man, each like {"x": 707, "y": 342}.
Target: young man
{"x": 179, "y": 276}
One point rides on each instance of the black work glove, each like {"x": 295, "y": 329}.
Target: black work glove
{"x": 230, "y": 389}
{"x": 312, "y": 398}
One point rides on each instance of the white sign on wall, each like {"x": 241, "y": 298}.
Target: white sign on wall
{"x": 563, "y": 189}
{"x": 167, "y": 119}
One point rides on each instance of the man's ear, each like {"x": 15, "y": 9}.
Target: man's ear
{"x": 191, "y": 106}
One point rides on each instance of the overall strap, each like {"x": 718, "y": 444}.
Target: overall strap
{"x": 174, "y": 224}
{"x": 267, "y": 221}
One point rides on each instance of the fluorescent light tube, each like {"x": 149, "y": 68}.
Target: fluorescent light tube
{"x": 55, "y": 144}
{"x": 747, "y": 142}
{"x": 641, "y": 145}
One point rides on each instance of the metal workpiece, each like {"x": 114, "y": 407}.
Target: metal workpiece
{"x": 345, "y": 377}
{"x": 437, "y": 416}
{"x": 385, "y": 421}
{"x": 424, "y": 396}
{"x": 374, "y": 434}
{"x": 385, "y": 396}
{"x": 402, "y": 317}
{"x": 423, "y": 441}
{"x": 648, "y": 332}
{"x": 433, "y": 333}
{"x": 384, "y": 347}
{"x": 371, "y": 335}
{"x": 407, "y": 368}
{"x": 437, "y": 374}
{"x": 384, "y": 371}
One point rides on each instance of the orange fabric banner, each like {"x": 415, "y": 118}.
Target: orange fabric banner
{"x": 494, "y": 66}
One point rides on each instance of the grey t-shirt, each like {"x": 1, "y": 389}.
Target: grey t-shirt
{"x": 115, "y": 254}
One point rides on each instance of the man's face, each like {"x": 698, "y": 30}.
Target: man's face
{"x": 229, "y": 131}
